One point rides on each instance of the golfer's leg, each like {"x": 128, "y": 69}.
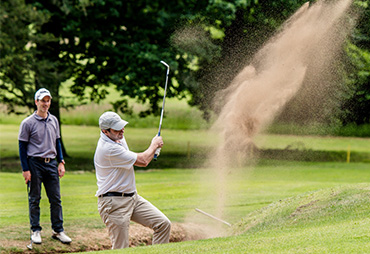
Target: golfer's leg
{"x": 35, "y": 195}
{"x": 148, "y": 215}
{"x": 52, "y": 188}
{"x": 115, "y": 213}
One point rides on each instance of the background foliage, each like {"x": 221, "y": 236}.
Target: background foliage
{"x": 97, "y": 44}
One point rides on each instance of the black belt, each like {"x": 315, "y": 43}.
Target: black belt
{"x": 45, "y": 160}
{"x": 117, "y": 194}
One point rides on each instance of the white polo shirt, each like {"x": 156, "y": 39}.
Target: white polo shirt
{"x": 114, "y": 166}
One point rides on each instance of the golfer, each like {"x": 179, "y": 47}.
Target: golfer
{"x": 118, "y": 200}
{"x": 40, "y": 152}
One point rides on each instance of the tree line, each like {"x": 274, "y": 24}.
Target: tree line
{"x": 102, "y": 43}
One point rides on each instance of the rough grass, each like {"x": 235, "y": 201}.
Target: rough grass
{"x": 178, "y": 115}
{"x": 331, "y": 220}
{"x": 324, "y": 207}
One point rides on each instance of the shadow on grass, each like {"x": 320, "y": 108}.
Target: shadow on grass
{"x": 77, "y": 163}
{"x": 311, "y": 155}
{"x": 196, "y": 160}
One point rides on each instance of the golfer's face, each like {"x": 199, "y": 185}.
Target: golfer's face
{"x": 43, "y": 105}
{"x": 116, "y": 135}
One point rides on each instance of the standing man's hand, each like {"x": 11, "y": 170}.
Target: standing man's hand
{"x": 27, "y": 176}
{"x": 61, "y": 169}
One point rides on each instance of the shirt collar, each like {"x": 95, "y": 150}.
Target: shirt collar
{"x": 40, "y": 118}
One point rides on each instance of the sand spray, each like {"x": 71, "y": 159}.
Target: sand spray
{"x": 303, "y": 50}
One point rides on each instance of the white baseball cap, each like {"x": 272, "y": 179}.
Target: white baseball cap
{"x": 111, "y": 120}
{"x": 41, "y": 93}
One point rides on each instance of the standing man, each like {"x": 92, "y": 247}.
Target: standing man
{"x": 39, "y": 146}
{"x": 118, "y": 201}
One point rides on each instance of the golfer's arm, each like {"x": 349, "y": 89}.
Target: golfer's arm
{"x": 23, "y": 155}
{"x": 144, "y": 158}
{"x": 59, "y": 150}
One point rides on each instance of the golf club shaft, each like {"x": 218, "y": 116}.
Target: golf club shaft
{"x": 162, "y": 111}
{"x": 29, "y": 246}
{"x": 213, "y": 217}
{"x": 164, "y": 97}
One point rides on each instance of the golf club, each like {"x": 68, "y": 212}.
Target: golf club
{"x": 29, "y": 246}
{"x": 213, "y": 217}
{"x": 156, "y": 154}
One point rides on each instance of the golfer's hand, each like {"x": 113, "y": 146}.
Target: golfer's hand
{"x": 157, "y": 141}
{"x": 27, "y": 176}
{"x": 61, "y": 170}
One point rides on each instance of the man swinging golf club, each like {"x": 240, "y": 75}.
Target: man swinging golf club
{"x": 118, "y": 200}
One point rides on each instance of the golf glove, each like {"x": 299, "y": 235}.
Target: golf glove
{"x": 157, "y": 151}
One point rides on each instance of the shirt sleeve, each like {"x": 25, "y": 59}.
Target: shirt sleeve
{"x": 23, "y": 155}
{"x": 120, "y": 157}
{"x": 23, "y": 132}
{"x": 59, "y": 150}
{"x": 57, "y": 127}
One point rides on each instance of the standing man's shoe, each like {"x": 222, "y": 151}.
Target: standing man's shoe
{"x": 36, "y": 237}
{"x": 61, "y": 236}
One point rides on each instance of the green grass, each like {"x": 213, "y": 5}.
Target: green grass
{"x": 186, "y": 148}
{"x": 260, "y": 199}
{"x": 181, "y": 147}
{"x": 350, "y": 130}
{"x": 178, "y": 115}
{"x": 276, "y": 207}
{"x": 327, "y": 143}
{"x": 314, "y": 148}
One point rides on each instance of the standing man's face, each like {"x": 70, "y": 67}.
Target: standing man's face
{"x": 43, "y": 105}
{"x": 114, "y": 135}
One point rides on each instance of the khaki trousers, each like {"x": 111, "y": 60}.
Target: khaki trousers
{"x": 116, "y": 213}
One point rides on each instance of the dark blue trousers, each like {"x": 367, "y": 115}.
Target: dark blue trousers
{"x": 46, "y": 173}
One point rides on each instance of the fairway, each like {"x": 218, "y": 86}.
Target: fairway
{"x": 177, "y": 193}
{"x": 178, "y": 183}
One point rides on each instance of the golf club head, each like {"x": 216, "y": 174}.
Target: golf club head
{"x": 29, "y": 246}
{"x": 164, "y": 63}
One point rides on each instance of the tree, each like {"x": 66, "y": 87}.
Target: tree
{"x": 235, "y": 31}
{"x": 348, "y": 100}
{"x": 356, "y": 109}
{"x": 24, "y": 69}
{"x": 100, "y": 43}
{"x": 18, "y": 40}
{"x": 121, "y": 43}
{"x": 244, "y": 27}
{"x": 115, "y": 42}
